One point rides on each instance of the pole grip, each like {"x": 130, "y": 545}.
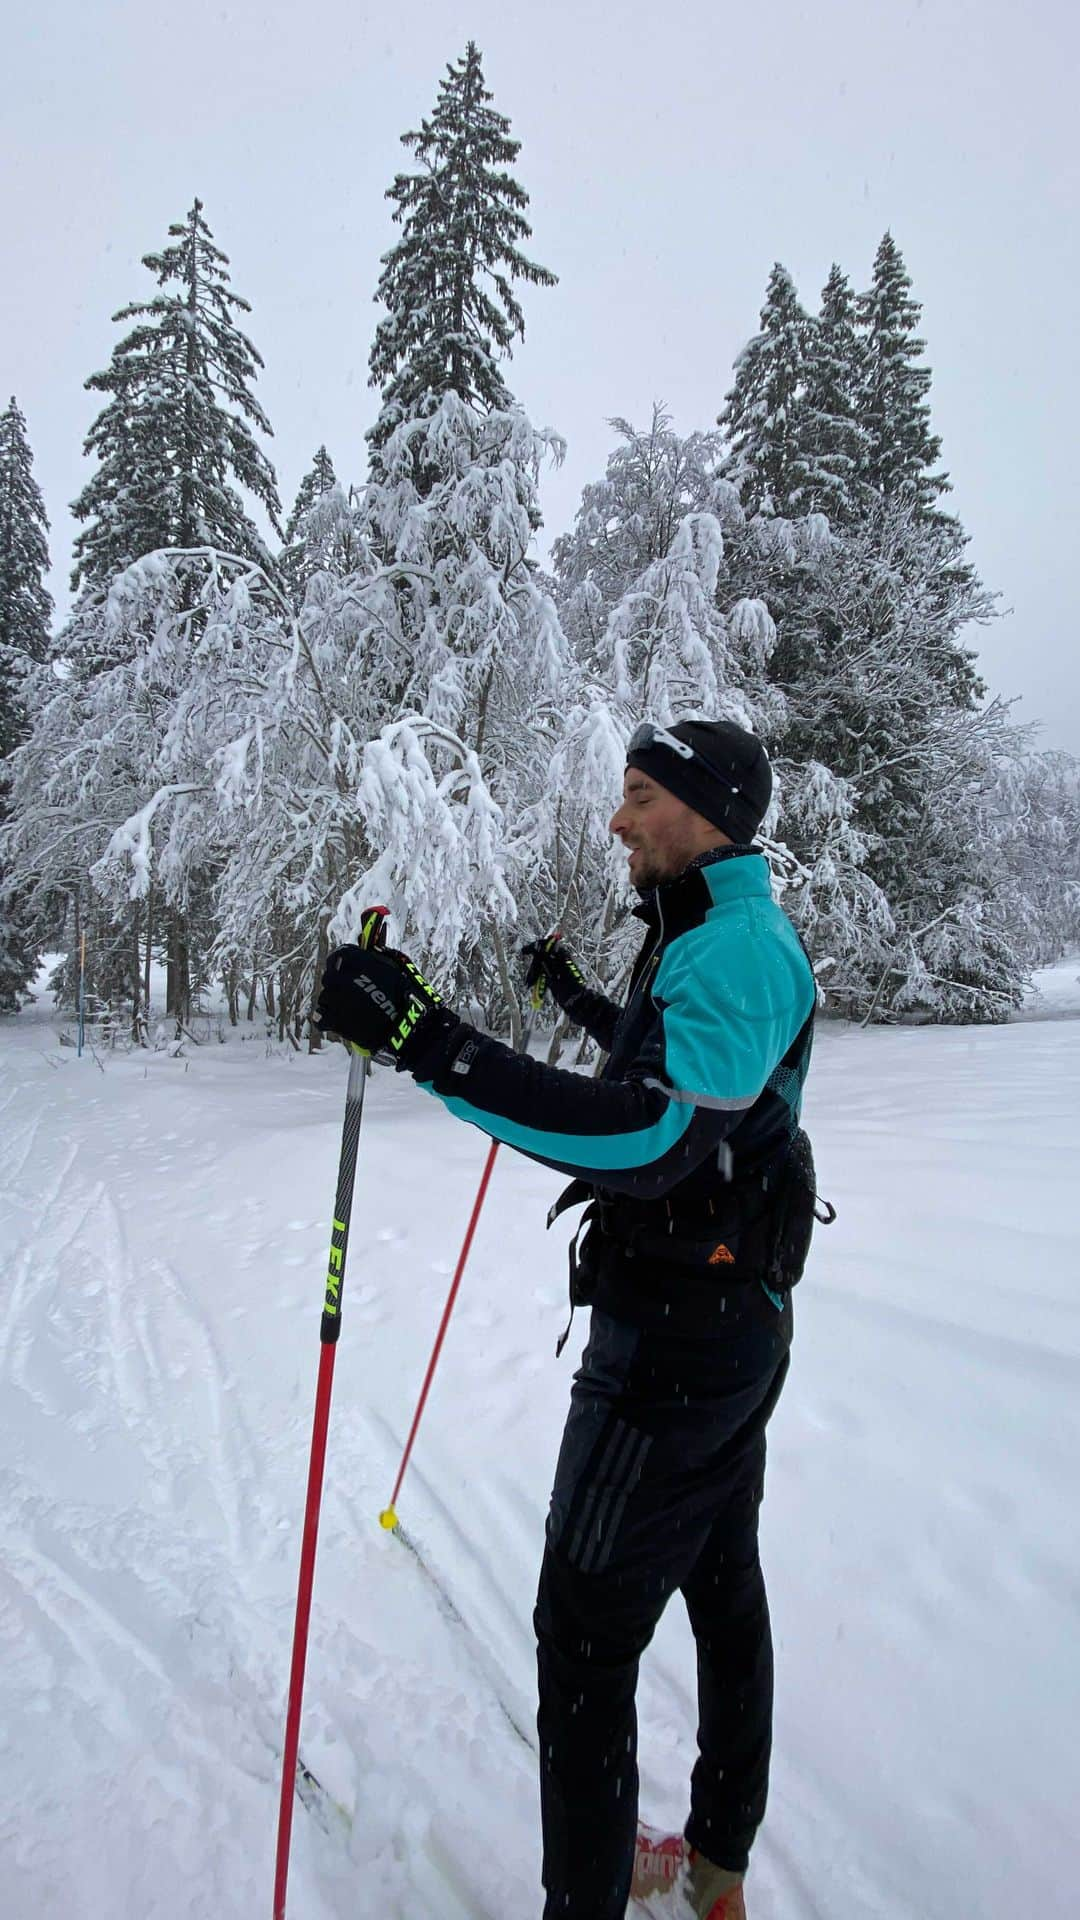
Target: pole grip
{"x": 539, "y": 986}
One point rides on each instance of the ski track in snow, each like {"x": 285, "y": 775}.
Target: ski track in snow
{"x": 149, "y": 1571}
{"x": 163, "y": 1233}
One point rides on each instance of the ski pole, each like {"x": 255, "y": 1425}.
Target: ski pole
{"x": 372, "y": 934}
{"x": 388, "y": 1518}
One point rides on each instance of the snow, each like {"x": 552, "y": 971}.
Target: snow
{"x": 163, "y": 1227}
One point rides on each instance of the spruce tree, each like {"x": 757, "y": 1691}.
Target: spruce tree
{"x": 176, "y": 432}
{"x": 177, "y": 454}
{"x": 895, "y": 410}
{"x": 448, "y": 284}
{"x": 25, "y": 613}
{"x": 125, "y": 505}
{"x": 309, "y": 548}
{"x": 764, "y": 419}
{"x": 25, "y": 605}
{"x": 314, "y": 484}
{"x": 834, "y": 389}
{"x": 889, "y": 762}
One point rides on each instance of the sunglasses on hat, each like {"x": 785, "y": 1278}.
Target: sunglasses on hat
{"x": 650, "y": 735}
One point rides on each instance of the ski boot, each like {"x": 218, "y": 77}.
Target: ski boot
{"x": 663, "y": 1863}
{"x": 712, "y": 1893}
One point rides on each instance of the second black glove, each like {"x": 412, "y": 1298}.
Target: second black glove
{"x": 550, "y": 962}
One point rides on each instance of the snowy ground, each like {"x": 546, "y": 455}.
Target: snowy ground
{"x": 163, "y": 1228}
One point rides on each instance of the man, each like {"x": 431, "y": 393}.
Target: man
{"x": 700, "y": 1205}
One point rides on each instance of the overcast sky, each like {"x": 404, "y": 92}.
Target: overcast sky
{"x": 672, "y": 153}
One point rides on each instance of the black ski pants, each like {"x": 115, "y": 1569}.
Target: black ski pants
{"x": 658, "y": 1485}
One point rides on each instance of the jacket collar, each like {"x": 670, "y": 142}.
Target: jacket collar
{"x": 677, "y": 905}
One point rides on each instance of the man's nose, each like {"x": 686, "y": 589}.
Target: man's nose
{"x": 616, "y": 823}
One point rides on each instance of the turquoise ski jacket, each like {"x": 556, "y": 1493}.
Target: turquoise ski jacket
{"x": 705, "y": 1061}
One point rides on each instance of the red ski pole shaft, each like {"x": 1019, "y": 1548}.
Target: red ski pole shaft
{"x": 388, "y": 1518}
{"x": 303, "y": 1616}
{"x": 371, "y": 935}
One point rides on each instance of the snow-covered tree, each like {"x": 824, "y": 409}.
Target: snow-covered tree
{"x": 390, "y": 742}
{"x": 320, "y": 478}
{"x": 1039, "y": 848}
{"x": 83, "y": 767}
{"x": 25, "y": 615}
{"x": 844, "y": 648}
{"x": 902, "y": 449}
{"x": 18, "y": 956}
{"x": 659, "y": 590}
{"x": 835, "y": 381}
{"x": 176, "y": 438}
{"x": 627, "y": 520}
{"x": 674, "y": 649}
{"x": 319, "y": 530}
{"x": 448, "y": 283}
{"x": 125, "y": 503}
{"x": 179, "y": 465}
{"x": 25, "y": 604}
{"x": 892, "y": 773}
{"x": 764, "y": 419}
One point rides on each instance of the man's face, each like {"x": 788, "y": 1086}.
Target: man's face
{"x": 661, "y": 833}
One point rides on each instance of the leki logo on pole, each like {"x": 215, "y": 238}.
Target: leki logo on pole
{"x": 336, "y": 1269}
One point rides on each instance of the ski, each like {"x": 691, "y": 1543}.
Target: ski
{"x": 485, "y": 1667}
{"x": 317, "y": 1800}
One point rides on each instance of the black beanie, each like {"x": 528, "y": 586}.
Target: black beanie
{"x": 729, "y": 780}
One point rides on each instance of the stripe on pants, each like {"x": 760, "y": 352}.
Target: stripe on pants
{"x": 616, "y": 1475}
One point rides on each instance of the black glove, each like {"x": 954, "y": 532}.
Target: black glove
{"x": 376, "y": 998}
{"x": 550, "y": 962}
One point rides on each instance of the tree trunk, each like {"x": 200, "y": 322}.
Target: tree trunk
{"x": 510, "y": 1000}
{"x": 185, "y": 973}
{"x": 178, "y": 976}
{"x": 75, "y": 969}
{"x": 138, "y": 1025}
{"x": 172, "y": 968}
{"x": 149, "y": 953}
{"x": 558, "y": 1037}
{"x": 315, "y": 1038}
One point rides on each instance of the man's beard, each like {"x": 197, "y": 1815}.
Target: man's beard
{"x": 662, "y": 866}
{"x": 655, "y": 872}
{"x": 645, "y": 881}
